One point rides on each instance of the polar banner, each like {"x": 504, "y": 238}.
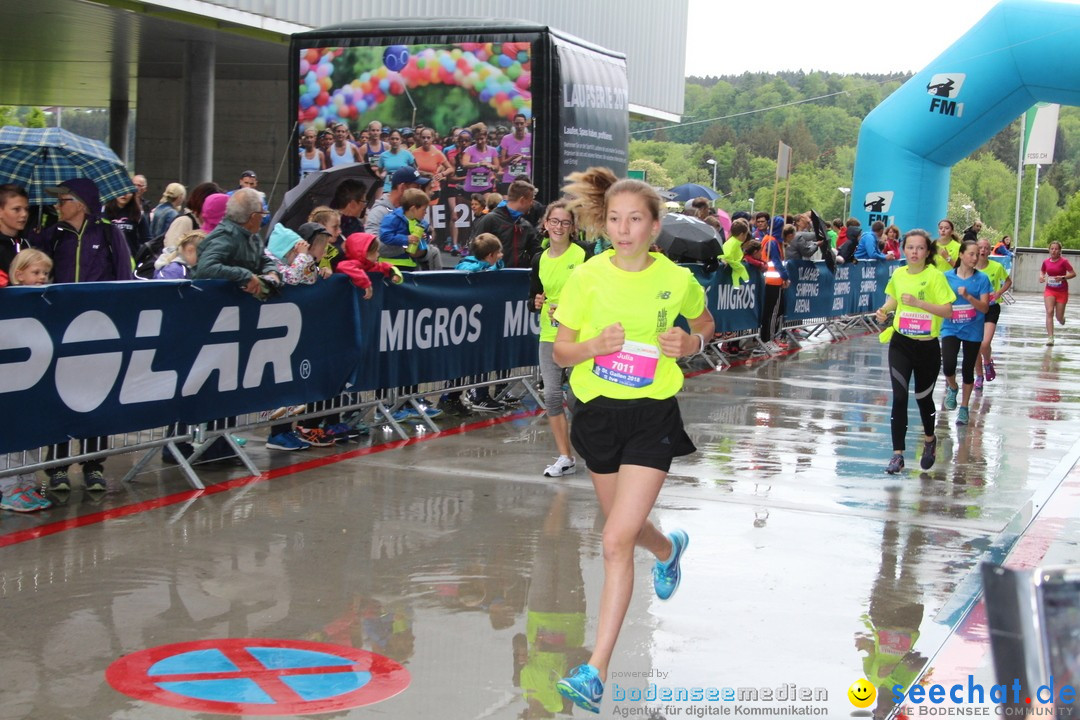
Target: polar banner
{"x": 82, "y": 360}
{"x": 446, "y": 325}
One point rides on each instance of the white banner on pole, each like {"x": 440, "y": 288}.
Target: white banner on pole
{"x": 1041, "y": 132}
{"x": 783, "y": 161}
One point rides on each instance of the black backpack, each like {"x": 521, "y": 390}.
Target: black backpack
{"x": 148, "y": 253}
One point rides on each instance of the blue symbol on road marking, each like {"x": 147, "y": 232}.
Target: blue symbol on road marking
{"x": 309, "y": 686}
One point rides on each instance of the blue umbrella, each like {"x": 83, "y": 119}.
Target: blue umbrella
{"x": 689, "y": 191}
{"x": 39, "y": 158}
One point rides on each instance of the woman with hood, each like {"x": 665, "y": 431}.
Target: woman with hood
{"x": 776, "y": 280}
{"x": 83, "y": 246}
{"x": 190, "y": 219}
{"x": 297, "y": 259}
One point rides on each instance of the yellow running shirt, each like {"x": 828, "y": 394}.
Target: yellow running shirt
{"x": 599, "y": 294}
{"x": 953, "y": 248}
{"x": 554, "y": 273}
{"x": 929, "y": 286}
{"x": 997, "y": 274}
{"x": 733, "y": 255}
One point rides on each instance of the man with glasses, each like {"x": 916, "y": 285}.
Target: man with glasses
{"x": 234, "y": 251}
{"x": 139, "y": 181}
{"x": 350, "y": 199}
{"x": 84, "y": 247}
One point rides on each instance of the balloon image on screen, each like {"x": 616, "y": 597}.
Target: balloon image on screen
{"x": 441, "y": 86}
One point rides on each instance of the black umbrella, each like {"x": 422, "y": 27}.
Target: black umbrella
{"x": 822, "y": 236}
{"x": 687, "y": 239}
{"x": 317, "y": 189}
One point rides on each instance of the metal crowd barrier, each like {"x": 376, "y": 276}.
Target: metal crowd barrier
{"x": 372, "y": 407}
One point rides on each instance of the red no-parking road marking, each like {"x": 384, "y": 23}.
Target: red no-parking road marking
{"x": 132, "y": 676}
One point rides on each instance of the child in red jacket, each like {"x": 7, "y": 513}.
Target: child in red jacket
{"x": 361, "y": 257}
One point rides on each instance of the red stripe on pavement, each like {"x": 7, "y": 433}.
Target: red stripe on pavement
{"x": 53, "y": 528}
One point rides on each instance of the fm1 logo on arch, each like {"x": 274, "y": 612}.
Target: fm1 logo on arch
{"x": 943, "y": 87}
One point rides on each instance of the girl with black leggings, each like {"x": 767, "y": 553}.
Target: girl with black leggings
{"x": 921, "y": 299}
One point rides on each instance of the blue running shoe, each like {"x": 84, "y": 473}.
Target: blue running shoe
{"x": 23, "y": 501}
{"x": 288, "y": 441}
{"x": 950, "y": 397}
{"x": 962, "y": 416}
{"x": 583, "y": 688}
{"x": 431, "y": 412}
{"x": 666, "y": 575}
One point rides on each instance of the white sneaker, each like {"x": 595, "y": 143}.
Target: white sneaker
{"x": 563, "y": 466}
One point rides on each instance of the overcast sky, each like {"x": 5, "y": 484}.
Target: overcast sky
{"x": 844, "y": 36}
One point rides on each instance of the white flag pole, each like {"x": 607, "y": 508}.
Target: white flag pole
{"x": 1034, "y": 207}
{"x": 1019, "y": 178}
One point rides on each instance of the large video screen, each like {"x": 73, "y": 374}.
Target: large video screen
{"x": 441, "y": 87}
{"x": 399, "y": 85}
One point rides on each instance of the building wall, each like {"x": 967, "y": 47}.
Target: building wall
{"x": 652, "y": 33}
{"x": 247, "y": 126}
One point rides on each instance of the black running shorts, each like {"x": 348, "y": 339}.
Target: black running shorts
{"x": 608, "y": 433}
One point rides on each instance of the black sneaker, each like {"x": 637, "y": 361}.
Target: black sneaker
{"x": 95, "y": 481}
{"x": 454, "y": 406}
{"x": 896, "y": 465}
{"x": 929, "y": 454}
{"x": 58, "y": 481}
{"x": 488, "y": 405}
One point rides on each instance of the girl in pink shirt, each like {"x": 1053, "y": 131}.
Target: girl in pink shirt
{"x": 1055, "y": 273}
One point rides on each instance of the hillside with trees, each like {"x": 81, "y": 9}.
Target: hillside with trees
{"x": 738, "y": 122}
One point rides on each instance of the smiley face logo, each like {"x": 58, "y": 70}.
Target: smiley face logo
{"x": 862, "y": 693}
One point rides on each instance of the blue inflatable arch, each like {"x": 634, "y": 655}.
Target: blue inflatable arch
{"x": 1022, "y": 52}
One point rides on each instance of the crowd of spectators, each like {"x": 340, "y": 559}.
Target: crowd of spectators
{"x": 378, "y": 229}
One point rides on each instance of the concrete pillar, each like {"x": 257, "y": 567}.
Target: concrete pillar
{"x": 198, "y": 126}
{"x": 119, "y": 82}
{"x": 118, "y": 127}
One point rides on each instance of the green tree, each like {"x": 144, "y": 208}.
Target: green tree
{"x": 655, "y": 174}
{"x": 35, "y": 118}
{"x": 1065, "y": 227}
{"x": 8, "y": 117}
